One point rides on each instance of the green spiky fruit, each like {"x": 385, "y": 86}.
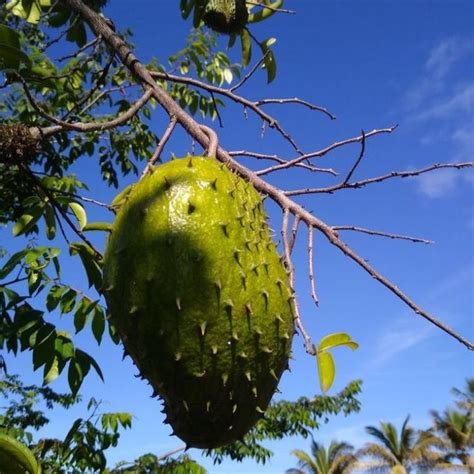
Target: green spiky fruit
{"x": 199, "y": 294}
{"x": 226, "y": 16}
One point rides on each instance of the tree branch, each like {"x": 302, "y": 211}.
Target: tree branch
{"x": 381, "y": 234}
{"x": 378, "y": 179}
{"x": 100, "y": 27}
{"x": 324, "y": 151}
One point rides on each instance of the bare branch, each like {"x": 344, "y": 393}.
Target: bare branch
{"x": 296, "y": 100}
{"x": 91, "y": 92}
{"x": 324, "y": 151}
{"x": 291, "y": 274}
{"x": 164, "y": 139}
{"x": 381, "y": 234}
{"x": 356, "y": 163}
{"x": 81, "y": 49}
{"x": 379, "y": 179}
{"x": 262, "y": 156}
{"x": 314, "y": 295}
{"x": 249, "y": 74}
{"x": 294, "y": 231}
{"x": 271, "y": 121}
{"x": 85, "y": 127}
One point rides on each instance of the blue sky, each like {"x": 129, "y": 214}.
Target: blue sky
{"x": 374, "y": 64}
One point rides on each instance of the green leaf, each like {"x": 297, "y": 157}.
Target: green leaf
{"x": 58, "y": 19}
{"x": 51, "y": 371}
{"x": 68, "y": 301}
{"x": 87, "y": 361}
{"x": 50, "y": 221}
{"x": 27, "y": 220}
{"x": 15, "y": 457}
{"x": 98, "y": 324}
{"x": 337, "y": 339}
{"x": 246, "y": 43}
{"x": 12, "y": 58}
{"x": 9, "y": 37}
{"x": 14, "y": 260}
{"x": 80, "y": 214}
{"x": 83, "y": 309}
{"x": 326, "y": 369}
{"x": 98, "y": 226}
{"x": 269, "y": 62}
{"x": 54, "y": 297}
{"x": 74, "y": 428}
{"x": 77, "y": 34}
{"x": 30, "y": 10}
{"x": 90, "y": 263}
{"x": 228, "y": 75}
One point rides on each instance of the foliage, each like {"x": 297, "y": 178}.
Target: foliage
{"x": 453, "y": 429}
{"x": 84, "y": 446}
{"x": 400, "y": 452}
{"x": 427, "y": 450}
{"x": 82, "y": 449}
{"x": 336, "y": 459}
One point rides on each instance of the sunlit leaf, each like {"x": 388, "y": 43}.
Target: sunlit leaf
{"x": 326, "y": 369}
{"x": 337, "y": 339}
{"x": 80, "y": 214}
{"x": 246, "y": 43}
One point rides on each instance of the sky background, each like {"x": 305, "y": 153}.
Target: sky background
{"x": 373, "y": 64}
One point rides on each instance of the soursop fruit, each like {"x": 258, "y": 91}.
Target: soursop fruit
{"x": 226, "y": 16}
{"x": 200, "y": 297}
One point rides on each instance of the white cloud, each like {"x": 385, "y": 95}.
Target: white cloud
{"x": 445, "y": 54}
{"x": 404, "y": 334}
{"x": 443, "y": 99}
{"x": 460, "y": 102}
{"x": 397, "y": 339}
{"x": 438, "y": 183}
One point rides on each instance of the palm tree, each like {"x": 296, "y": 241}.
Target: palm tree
{"x": 399, "y": 454}
{"x": 337, "y": 459}
{"x": 455, "y": 436}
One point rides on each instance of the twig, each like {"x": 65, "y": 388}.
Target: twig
{"x": 106, "y": 92}
{"x": 164, "y": 139}
{"x": 314, "y": 295}
{"x": 271, "y": 121}
{"x": 91, "y": 126}
{"x": 359, "y": 158}
{"x": 60, "y": 36}
{"x": 81, "y": 49}
{"x": 294, "y": 231}
{"x": 296, "y": 100}
{"x": 269, "y": 7}
{"x": 56, "y": 206}
{"x": 249, "y": 74}
{"x": 170, "y": 453}
{"x": 263, "y": 156}
{"x": 91, "y": 92}
{"x": 219, "y": 118}
{"x": 378, "y": 179}
{"x": 85, "y": 199}
{"x": 291, "y": 274}
{"x": 381, "y": 234}
{"x": 324, "y": 151}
